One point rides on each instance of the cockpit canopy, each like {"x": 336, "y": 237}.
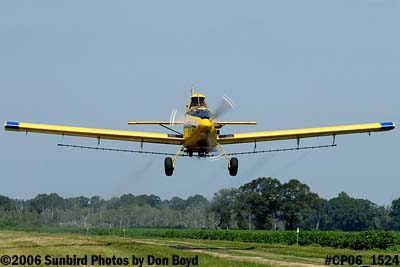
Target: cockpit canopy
{"x": 197, "y": 101}
{"x": 198, "y": 107}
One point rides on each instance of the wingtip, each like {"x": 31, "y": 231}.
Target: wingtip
{"x": 388, "y": 125}
{"x": 11, "y": 125}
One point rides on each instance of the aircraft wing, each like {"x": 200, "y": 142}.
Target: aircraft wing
{"x": 304, "y": 133}
{"x": 147, "y": 137}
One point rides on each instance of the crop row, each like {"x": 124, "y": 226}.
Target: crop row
{"x": 337, "y": 239}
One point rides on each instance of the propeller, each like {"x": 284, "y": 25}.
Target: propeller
{"x": 172, "y": 117}
{"x": 176, "y": 117}
{"x": 225, "y": 105}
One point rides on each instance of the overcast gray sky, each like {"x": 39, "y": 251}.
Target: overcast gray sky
{"x": 286, "y": 64}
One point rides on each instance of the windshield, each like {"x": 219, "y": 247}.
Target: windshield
{"x": 202, "y": 101}
{"x": 198, "y": 101}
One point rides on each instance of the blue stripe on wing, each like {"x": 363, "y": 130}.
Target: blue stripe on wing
{"x": 387, "y": 125}
{"x": 12, "y": 124}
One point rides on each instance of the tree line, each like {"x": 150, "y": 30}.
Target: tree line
{"x": 264, "y": 203}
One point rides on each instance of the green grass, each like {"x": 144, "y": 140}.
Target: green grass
{"x": 60, "y": 245}
{"x": 211, "y": 253}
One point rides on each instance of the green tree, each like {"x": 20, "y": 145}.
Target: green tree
{"x": 177, "y": 203}
{"x": 350, "y": 214}
{"x": 395, "y": 214}
{"x": 197, "y": 201}
{"x": 224, "y": 205}
{"x": 260, "y": 201}
{"x": 5, "y": 203}
{"x": 296, "y": 200}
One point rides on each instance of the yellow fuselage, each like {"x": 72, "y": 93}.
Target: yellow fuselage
{"x": 199, "y": 134}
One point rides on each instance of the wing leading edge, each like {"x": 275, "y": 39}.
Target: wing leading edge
{"x": 304, "y": 133}
{"x": 147, "y": 137}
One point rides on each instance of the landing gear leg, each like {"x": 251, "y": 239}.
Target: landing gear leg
{"x": 169, "y": 163}
{"x": 233, "y": 163}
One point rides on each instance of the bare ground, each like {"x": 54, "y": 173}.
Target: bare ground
{"x": 256, "y": 256}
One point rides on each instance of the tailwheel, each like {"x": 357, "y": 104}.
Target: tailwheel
{"x": 168, "y": 166}
{"x": 233, "y": 166}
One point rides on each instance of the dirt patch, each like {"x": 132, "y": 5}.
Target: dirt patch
{"x": 255, "y": 258}
{"x": 244, "y": 250}
{"x": 44, "y": 241}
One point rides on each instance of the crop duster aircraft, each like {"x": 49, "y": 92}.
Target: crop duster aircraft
{"x": 201, "y": 133}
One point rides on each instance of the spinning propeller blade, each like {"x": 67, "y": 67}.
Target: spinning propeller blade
{"x": 225, "y": 105}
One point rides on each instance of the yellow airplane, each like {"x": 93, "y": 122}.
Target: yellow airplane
{"x": 201, "y": 133}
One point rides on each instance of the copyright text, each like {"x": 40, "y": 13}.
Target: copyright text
{"x": 74, "y": 260}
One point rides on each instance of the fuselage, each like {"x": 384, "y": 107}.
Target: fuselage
{"x": 199, "y": 127}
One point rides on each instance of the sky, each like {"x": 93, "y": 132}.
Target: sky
{"x": 286, "y": 65}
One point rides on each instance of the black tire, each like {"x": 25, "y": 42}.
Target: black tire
{"x": 234, "y": 166}
{"x": 168, "y": 166}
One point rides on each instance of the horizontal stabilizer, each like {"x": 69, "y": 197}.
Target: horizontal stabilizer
{"x": 236, "y": 122}
{"x": 153, "y": 122}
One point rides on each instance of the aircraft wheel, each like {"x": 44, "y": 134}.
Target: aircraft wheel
{"x": 168, "y": 166}
{"x": 234, "y": 166}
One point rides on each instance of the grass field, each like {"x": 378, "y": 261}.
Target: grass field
{"x": 100, "y": 250}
